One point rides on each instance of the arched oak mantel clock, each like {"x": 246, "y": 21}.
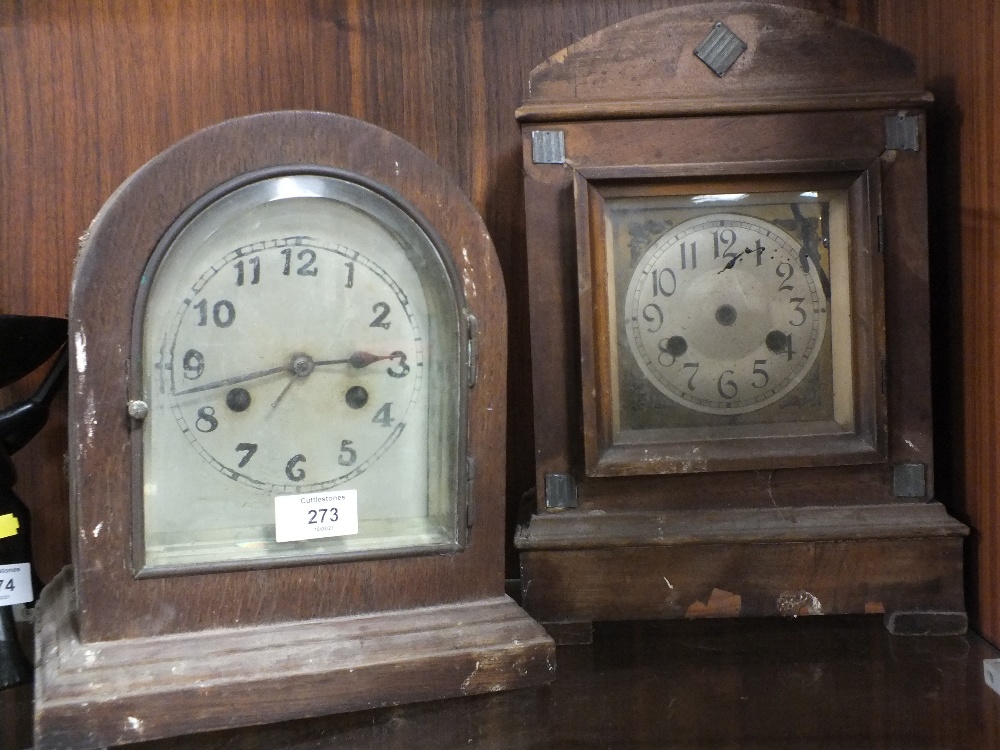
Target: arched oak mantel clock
{"x": 287, "y": 392}
{"x": 727, "y": 261}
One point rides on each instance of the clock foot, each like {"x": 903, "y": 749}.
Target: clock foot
{"x": 902, "y": 561}
{"x": 926, "y": 623}
{"x": 97, "y": 694}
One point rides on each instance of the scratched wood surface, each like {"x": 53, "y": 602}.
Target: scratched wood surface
{"x": 770, "y": 684}
{"x": 92, "y": 89}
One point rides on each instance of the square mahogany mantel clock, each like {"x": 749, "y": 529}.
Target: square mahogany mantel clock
{"x": 287, "y": 393}
{"x": 727, "y": 260}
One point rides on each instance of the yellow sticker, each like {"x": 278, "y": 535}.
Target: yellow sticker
{"x": 8, "y": 525}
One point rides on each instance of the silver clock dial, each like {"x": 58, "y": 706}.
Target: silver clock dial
{"x": 301, "y": 336}
{"x": 725, "y": 314}
{"x": 247, "y": 370}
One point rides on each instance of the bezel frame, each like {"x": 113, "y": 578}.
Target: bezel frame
{"x": 671, "y": 450}
{"x": 404, "y": 212}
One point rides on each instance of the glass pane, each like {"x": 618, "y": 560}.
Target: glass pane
{"x": 300, "y": 341}
{"x": 729, "y": 310}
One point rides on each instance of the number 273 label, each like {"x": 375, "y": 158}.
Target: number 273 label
{"x": 316, "y": 515}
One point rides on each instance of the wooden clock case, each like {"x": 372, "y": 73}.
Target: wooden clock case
{"x": 817, "y": 530}
{"x": 123, "y": 658}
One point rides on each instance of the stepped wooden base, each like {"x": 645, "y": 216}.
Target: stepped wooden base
{"x": 90, "y": 695}
{"x": 902, "y": 561}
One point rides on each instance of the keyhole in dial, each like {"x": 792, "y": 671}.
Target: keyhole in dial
{"x": 725, "y": 315}
{"x": 238, "y": 399}
{"x": 676, "y": 346}
{"x": 356, "y": 397}
{"x": 777, "y": 342}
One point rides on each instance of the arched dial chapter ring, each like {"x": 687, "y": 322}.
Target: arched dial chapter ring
{"x": 251, "y": 357}
{"x": 725, "y": 314}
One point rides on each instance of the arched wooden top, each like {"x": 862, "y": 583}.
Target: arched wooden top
{"x": 795, "y": 60}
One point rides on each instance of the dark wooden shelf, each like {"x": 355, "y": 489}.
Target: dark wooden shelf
{"x": 824, "y": 682}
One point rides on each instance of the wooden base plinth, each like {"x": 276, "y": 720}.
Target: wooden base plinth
{"x": 90, "y": 695}
{"x": 903, "y": 561}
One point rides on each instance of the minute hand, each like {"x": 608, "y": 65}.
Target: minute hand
{"x": 233, "y": 380}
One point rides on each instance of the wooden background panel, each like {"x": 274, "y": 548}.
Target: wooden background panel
{"x": 91, "y": 89}
{"x": 955, "y": 44}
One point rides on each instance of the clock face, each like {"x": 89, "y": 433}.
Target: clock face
{"x": 301, "y": 336}
{"x": 726, "y": 313}
{"x": 714, "y": 319}
{"x": 262, "y": 384}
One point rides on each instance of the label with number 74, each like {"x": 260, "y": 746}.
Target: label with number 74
{"x": 315, "y": 515}
{"x": 15, "y": 584}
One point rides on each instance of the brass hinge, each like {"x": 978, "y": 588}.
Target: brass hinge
{"x": 472, "y": 348}
{"x": 902, "y": 132}
{"x": 560, "y": 491}
{"x": 470, "y": 481}
{"x": 909, "y": 480}
{"x": 548, "y": 147}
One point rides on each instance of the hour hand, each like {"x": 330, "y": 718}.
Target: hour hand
{"x": 232, "y": 381}
{"x": 358, "y": 360}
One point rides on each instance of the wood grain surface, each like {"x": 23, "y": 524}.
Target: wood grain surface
{"x": 613, "y": 96}
{"x": 92, "y": 89}
{"x": 822, "y": 683}
{"x": 955, "y": 45}
{"x": 103, "y": 442}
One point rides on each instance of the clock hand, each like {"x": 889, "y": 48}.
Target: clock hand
{"x": 233, "y": 380}
{"x": 358, "y": 360}
{"x": 300, "y": 365}
{"x": 732, "y": 261}
{"x": 282, "y": 394}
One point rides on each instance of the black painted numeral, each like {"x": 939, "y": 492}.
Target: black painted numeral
{"x": 254, "y": 264}
{"x": 249, "y": 449}
{"x": 694, "y": 366}
{"x": 404, "y": 368}
{"x": 306, "y": 269}
{"x": 206, "y": 421}
{"x": 723, "y": 242}
{"x": 658, "y": 286}
{"x": 348, "y": 456}
{"x": 384, "y": 415}
{"x": 684, "y": 255}
{"x": 727, "y": 389}
{"x": 193, "y": 364}
{"x": 798, "y": 308}
{"x": 381, "y": 310}
{"x": 223, "y": 313}
{"x": 784, "y": 271}
{"x": 759, "y": 250}
{"x": 292, "y": 469}
{"x": 652, "y": 313}
{"x": 759, "y": 370}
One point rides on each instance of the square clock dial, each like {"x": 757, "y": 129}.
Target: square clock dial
{"x": 732, "y": 316}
